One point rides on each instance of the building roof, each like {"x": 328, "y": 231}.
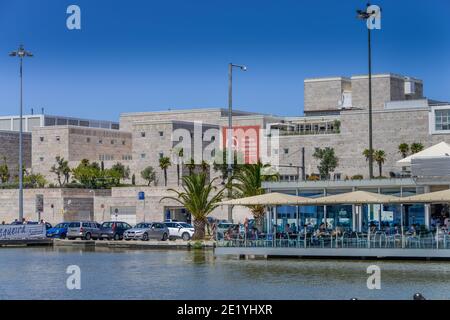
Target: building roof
{"x": 441, "y": 149}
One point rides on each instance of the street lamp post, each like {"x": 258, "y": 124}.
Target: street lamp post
{"x": 367, "y": 15}
{"x": 21, "y": 53}
{"x": 230, "y": 154}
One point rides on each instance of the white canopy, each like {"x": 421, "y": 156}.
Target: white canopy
{"x": 355, "y": 197}
{"x": 268, "y": 199}
{"x": 438, "y": 150}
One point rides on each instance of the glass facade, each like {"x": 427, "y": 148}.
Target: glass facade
{"x": 384, "y": 217}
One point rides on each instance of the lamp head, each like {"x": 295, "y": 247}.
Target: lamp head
{"x": 13, "y": 54}
{"x": 244, "y": 68}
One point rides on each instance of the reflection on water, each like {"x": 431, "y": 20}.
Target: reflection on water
{"x": 40, "y": 273}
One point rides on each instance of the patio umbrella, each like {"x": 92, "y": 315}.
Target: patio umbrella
{"x": 268, "y": 199}
{"x": 355, "y": 197}
{"x": 432, "y": 197}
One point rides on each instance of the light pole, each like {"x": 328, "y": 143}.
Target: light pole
{"x": 230, "y": 154}
{"x": 21, "y": 53}
{"x": 367, "y": 15}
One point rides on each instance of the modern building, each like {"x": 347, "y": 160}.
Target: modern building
{"x": 335, "y": 116}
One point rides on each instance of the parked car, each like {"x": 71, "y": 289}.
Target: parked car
{"x": 181, "y": 230}
{"x": 113, "y": 230}
{"x": 58, "y": 231}
{"x": 146, "y": 231}
{"x": 85, "y": 230}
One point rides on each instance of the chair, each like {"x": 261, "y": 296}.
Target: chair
{"x": 361, "y": 240}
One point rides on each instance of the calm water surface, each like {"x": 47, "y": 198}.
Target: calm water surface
{"x": 40, "y": 273}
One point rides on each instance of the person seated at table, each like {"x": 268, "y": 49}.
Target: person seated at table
{"x": 387, "y": 229}
{"x": 338, "y": 231}
{"x": 373, "y": 228}
{"x": 287, "y": 228}
{"x": 322, "y": 227}
{"x": 412, "y": 230}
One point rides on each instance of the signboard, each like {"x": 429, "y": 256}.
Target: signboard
{"x": 22, "y": 232}
{"x": 245, "y": 141}
{"x": 39, "y": 203}
{"x": 141, "y": 195}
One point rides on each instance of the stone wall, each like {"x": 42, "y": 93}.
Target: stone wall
{"x": 9, "y": 149}
{"x": 59, "y": 204}
{"x": 324, "y": 94}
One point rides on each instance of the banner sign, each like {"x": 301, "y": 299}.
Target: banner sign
{"x": 22, "y": 232}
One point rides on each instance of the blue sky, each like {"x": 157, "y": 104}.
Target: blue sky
{"x": 141, "y": 55}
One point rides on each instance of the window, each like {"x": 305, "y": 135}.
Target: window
{"x": 286, "y": 150}
{"x": 161, "y": 155}
{"x": 442, "y": 119}
{"x": 213, "y": 138}
{"x": 143, "y": 134}
{"x": 142, "y": 155}
{"x": 58, "y": 138}
{"x": 88, "y": 140}
{"x": 123, "y": 142}
{"x": 112, "y": 142}
{"x": 41, "y": 159}
{"x": 42, "y": 139}
{"x": 100, "y": 141}
{"x": 127, "y": 157}
{"x": 161, "y": 133}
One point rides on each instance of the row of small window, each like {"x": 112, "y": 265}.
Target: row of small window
{"x": 285, "y": 151}
{"x": 161, "y": 134}
{"x": 109, "y": 157}
{"x": 88, "y": 140}
{"x": 161, "y": 154}
{"x": 103, "y": 157}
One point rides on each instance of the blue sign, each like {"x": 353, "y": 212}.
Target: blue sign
{"x": 141, "y": 195}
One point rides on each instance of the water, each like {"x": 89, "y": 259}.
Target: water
{"x": 40, "y": 273}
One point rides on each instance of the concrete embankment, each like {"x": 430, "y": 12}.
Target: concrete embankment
{"x": 135, "y": 245}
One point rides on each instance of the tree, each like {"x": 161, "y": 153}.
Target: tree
{"x": 149, "y": 175}
{"x": 328, "y": 161}
{"x": 380, "y": 157}
{"x": 133, "y": 179}
{"x": 62, "y": 170}
{"x": 248, "y": 183}
{"x": 191, "y": 166}
{"x": 122, "y": 171}
{"x": 204, "y": 166}
{"x": 164, "y": 164}
{"x": 220, "y": 163}
{"x": 198, "y": 199}
{"x": 180, "y": 154}
{"x": 366, "y": 154}
{"x": 403, "y": 148}
{"x": 34, "y": 180}
{"x": 88, "y": 174}
{"x": 4, "y": 172}
{"x": 416, "y": 147}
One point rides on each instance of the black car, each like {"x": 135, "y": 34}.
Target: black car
{"x": 113, "y": 230}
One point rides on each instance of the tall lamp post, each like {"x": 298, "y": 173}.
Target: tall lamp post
{"x": 230, "y": 154}
{"x": 368, "y": 15}
{"x": 21, "y": 53}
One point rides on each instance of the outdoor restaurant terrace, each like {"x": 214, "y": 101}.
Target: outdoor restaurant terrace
{"x": 361, "y": 222}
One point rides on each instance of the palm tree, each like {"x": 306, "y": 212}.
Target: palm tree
{"x": 191, "y": 166}
{"x": 180, "y": 155}
{"x": 164, "y": 164}
{"x": 416, "y": 147}
{"x": 204, "y": 166}
{"x": 380, "y": 157}
{"x": 198, "y": 199}
{"x": 403, "y": 148}
{"x": 366, "y": 153}
{"x": 248, "y": 182}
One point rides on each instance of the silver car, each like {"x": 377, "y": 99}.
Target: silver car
{"x": 146, "y": 231}
{"x": 85, "y": 230}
